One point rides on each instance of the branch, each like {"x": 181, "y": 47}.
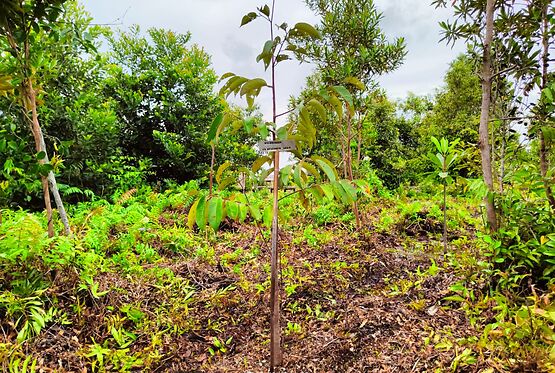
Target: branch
{"x": 285, "y": 113}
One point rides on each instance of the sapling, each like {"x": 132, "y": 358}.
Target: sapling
{"x": 443, "y": 161}
{"x": 307, "y": 173}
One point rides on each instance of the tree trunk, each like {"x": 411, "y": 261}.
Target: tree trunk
{"x": 544, "y": 162}
{"x": 502, "y": 158}
{"x": 444, "y": 218}
{"x": 359, "y": 140}
{"x": 276, "y": 353}
{"x": 350, "y": 164}
{"x": 29, "y": 95}
{"x": 51, "y": 178}
{"x": 485, "y": 150}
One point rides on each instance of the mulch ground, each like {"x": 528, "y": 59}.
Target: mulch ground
{"x": 350, "y": 317}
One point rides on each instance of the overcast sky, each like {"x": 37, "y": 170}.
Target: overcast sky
{"x": 214, "y": 25}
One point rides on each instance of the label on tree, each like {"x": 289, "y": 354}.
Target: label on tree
{"x": 279, "y": 145}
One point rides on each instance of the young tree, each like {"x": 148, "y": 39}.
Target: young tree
{"x": 443, "y": 161}
{"x": 20, "y": 21}
{"x": 353, "y": 50}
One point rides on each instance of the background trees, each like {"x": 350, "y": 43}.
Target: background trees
{"x": 164, "y": 97}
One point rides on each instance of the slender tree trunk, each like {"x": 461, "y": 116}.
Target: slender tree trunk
{"x": 350, "y": 163}
{"x": 444, "y": 218}
{"x": 276, "y": 354}
{"x": 485, "y": 150}
{"x": 544, "y": 162}
{"x": 359, "y": 140}
{"x": 41, "y": 146}
{"x": 502, "y": 158}
{"x": 35, "y": 130}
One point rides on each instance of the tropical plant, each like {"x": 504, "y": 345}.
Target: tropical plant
{"x": 444, "y": 160}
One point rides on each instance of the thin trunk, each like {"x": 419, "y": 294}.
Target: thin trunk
{"x": 350, "y": 164}
{"x": 276, "y": 354}
{"x": 502, "y": 159}
{"x": 444, "y": 218}
{"x": 485, "y": 150}
{"x": 343, "y": 141}
{"x": 544, "y": 162}
{"x": 39, "y": 139}
{"x": 359, "y": 140}
{"x": 35, "y": 130}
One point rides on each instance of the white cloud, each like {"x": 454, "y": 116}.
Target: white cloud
{"x": 214, "y": 24}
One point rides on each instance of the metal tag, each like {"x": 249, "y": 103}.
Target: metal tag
{"x": 279, "y": 145}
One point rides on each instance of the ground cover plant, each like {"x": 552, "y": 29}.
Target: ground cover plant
{"x": 402, "y": 245}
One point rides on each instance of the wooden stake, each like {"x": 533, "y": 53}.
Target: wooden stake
{"x": 276, "y": 356}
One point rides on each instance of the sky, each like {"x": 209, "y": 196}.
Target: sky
{"x": 214, "y": 25}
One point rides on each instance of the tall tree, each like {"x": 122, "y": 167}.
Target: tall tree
{"x": 353, "y": 50}
{"x": 164, "y": 93}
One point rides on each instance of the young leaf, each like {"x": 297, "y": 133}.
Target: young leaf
{"x": 221, "y": 170}
{"x": 318, "y": 108}
{"x": 214, "y": 127}
{"x": 344, "y": 93}
{"x": 252, "y": 86}
{"x": 248, "y": 18}
{"x": 307, "y": 30}
{"x": 192, "y": 214}
{"x": 201, "y": 212}
{"x": 260, "y": 162}
{"x": 327, "y": 167}
{"x": 265, "y": 10}
{"x": 268, "y": 215}
{"x": 215, "y": 212}
{"x": 232, "y": 209}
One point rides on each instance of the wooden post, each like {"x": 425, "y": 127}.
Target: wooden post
{"x": 276, "y": 356}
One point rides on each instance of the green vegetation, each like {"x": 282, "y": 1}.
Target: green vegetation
{"x": 416, "y": 235}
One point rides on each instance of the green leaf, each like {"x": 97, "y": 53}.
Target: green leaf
{"x": 349, "y": 188}
{"x": 268, "y": 215}
{"x": 248, "y": 18}
{"x": 215, "y": 212}
{"x": 338, "y": 106}
{"x": 192, "y": 214}
{"x": 355, "y": 82}
{"x": 311, "y": 169}
{"x": 328, "y": 191}
{"x": 255, "y": 212}
{"x": 253, "y": 85}
{"x": 260, "y": 162}
{"x": 265, "y": 10}
{"x": 340, "y": 193}
{"x": 214, "y": 127}
{"x": 318, "y": 108}
{"x": 248, "y": 123}
{"x": 327, "y": 167}
{"x": 307, "y": 30}
{"x": 226, "y": 182}
{"x": 41, "y": 155}
{"x": 243, "y": 211}
{"x": 232, "y": 85}
{"x": 221, "y": 170}
{"x": 344, "y": 93}
{"x": 297, "y": 177}
{"x": 201, "y": 213}
{"x": 232, "y": 209}
{"x": 227, "y": 75}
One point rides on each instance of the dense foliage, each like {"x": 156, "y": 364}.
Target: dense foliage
{"x": 428, "y": 220}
